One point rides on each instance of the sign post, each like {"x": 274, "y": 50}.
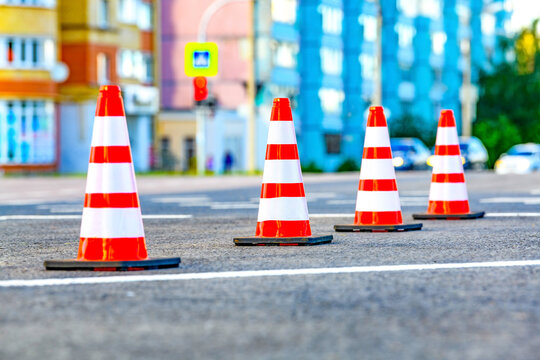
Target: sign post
{"x": 200, "y": 61}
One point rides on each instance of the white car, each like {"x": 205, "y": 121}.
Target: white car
{"x": 520, "y": 159}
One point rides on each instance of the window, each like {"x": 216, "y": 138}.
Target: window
{"x": 148, "y": 75}
{"x": 488, "y": 24}
{"x": 27, "y": 53}
{"x": 367, "y": 63}
{"x": 438, "y": 42}
{"x": 103, "y": 69}
{"x": 27, "y": 132}
{"x": 136, "y": 65}
{"x": 144, "y": 20}
{"x": 103, "y": 13}
{"x": 284, "y": 11}
{"x": 35, "y": 3}
{"x": 370, "y": 27}
{"x": 331, "y": 99}
{"x": 405, "y": 34}
{"x": 332, "y": 19}
{"x": 333, "y": 143}
{"x": 331, "y": 61}
{"x": 285, "y": 54}
{"x": 127, "y": 11}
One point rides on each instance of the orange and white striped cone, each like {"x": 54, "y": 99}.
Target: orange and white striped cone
{"x": 283, "y": 214}
{"x": 377, "y": 203}
{"x": 112, "y": 233}
{"x": 448, "y": 199}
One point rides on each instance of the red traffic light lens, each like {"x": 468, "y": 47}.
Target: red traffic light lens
{"x": 200, "y": 82}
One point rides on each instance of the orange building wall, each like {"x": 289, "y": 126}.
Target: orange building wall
{"x": 82, "y": 62}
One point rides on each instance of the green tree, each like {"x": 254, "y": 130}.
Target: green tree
{"x": 508, "y": 109}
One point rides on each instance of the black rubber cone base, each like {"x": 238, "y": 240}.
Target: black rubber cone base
{"x": 468, "y": 216}
{"x": 282, "y": 241}
{"x": 377, "y": 228}
{"x": 132, "y": 265}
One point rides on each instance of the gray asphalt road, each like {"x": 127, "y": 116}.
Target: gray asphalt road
{"x": 464, "y": 313}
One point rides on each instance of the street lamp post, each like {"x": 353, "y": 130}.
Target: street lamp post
{"x": 201, "y": 111}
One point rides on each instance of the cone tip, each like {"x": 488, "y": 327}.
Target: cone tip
{"x": 282, "y": 101}
{"x": 447, "y": 112}
{"x": 109, "y": 89}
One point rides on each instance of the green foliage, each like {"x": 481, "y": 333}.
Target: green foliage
{"x": 311, "y": 168}
{"x": 348, "y": 165}
{"x": 411, "y": 126}
{"x": 498, "y": 135}
{"x": 508, "y": 109}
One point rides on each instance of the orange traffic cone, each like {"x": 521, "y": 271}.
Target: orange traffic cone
{"x": 283, "y": 214}
{"x": 112, "y": 234}
{"x": 377, "y": 203}
{"x": 448, "y": 193}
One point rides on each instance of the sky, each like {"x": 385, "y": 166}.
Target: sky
{"x": 525, "y": 11}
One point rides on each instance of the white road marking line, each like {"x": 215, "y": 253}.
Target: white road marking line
{"x": 182, "y": 200}
{"x": 523, "y": 214}
{"x": 341, "y": 202}
{"x": 516, "y": 214}
{"x": 314, "y": 216}
{"x": 512, "y": 200}
{"x": 264, "y": 273}
{"x": 78, "y": 217}
{"x": 233, "y": 205}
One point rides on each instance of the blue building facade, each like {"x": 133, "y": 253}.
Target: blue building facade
{"x": 326, "y": 56}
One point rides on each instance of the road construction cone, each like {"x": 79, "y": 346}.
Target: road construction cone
{"x": 283, "y": 214}
{"x": 112, "y": 234}
{"x": 448, "y": 193}
{"x": 377, "y": 203}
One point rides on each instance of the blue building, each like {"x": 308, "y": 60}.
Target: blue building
{"x": 326, "y": 56}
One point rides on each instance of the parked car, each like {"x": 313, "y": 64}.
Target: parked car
{"x": 474, "y": 153}
{"x": 409, "y": 153}
{"x": 520, "y": 159}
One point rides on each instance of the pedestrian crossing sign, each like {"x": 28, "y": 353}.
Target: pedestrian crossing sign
{"x": 201, "y": 59}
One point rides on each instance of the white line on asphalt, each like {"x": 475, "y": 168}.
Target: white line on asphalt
{"x": 76, "y": 217}
{"x": 331, "y": 215}
{"x": 516, "y": 214}
{"x": 264, "y": 273}
{"x": 523, "y": 214}
{"x": 512, "y": 200}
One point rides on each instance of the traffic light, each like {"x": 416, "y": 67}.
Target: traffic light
{"x": 200, "y": 89}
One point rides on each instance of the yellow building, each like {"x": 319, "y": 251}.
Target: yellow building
{"x": 104, "y": 42}
{"x": 28, "y": 91}
{"x": 54, "y": 55}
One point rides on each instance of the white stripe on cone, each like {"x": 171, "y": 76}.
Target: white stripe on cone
{"x": 282, "y": 172}
{"x": 110, "y": 131}
{"x": 447, "y": 136}
{"x": 448, "y": 192}
{"x": 378, "y": 201}
{"x": 448, "y": 164}
{"x": 110, "y": 178}
{"x": 281, "y": 132}
{"x": 111, "y": 223}
{"x": 283, "y": 208}
{"x": 377, "y": 137}
{"x": 374, "y": 169}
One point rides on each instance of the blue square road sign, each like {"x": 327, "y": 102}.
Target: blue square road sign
{"x": 201, "y": 59}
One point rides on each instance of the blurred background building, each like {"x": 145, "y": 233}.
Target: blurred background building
{"x": 103, "y": 42}
{"x": 28, "y": 93}
{"x": 325, "y": 55}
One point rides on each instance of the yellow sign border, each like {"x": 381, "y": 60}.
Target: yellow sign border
{"x": 192, "y": 71}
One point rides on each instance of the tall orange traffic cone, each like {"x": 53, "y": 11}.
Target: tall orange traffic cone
{"x": 283, "y": 214}
{"x": 448, "y": 197}
{"x": 112, "y": 234}
{"x": 377, "y": 203}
